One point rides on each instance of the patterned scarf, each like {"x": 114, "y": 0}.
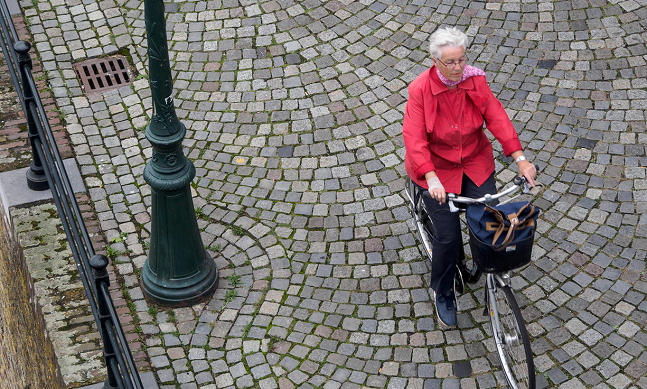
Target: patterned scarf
{"x": 468, "y": 71}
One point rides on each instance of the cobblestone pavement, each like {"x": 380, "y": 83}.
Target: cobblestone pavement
{"x": 294, "y": 113}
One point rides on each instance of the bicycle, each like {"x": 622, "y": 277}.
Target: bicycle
{"x": 508, "y": 327}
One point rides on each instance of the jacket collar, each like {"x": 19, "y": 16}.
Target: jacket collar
{"x": 437, "y": 86}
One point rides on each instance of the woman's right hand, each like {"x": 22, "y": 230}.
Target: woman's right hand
{"x": 438, "y": 194}
{"x": 528, "y": 170}
{"x": 436, "y": 189}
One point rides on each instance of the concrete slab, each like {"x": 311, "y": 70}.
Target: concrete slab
{"x": 148, "y": 380}
{"x": 14, "y": 8}
{"x": 14, "y": 190}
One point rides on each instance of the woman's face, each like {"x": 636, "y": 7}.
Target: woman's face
{"x": 451, "y": 62}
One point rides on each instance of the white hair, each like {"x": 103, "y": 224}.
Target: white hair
{"x": 446, "y": 36}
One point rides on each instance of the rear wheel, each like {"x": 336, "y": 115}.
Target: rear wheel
{"x": 511, "y": 337}
{"x": 459, "y": 281}
{"x": 425, "y": 234}
{"x": 421, "y": 219}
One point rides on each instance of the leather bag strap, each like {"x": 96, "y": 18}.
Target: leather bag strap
{"x": 513, "y": 219}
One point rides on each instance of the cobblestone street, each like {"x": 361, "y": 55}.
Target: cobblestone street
{"x": 294, "y": 114}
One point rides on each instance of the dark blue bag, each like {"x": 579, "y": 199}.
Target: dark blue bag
{"x": 501, "y": 237}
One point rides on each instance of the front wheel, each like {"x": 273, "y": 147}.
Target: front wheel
{"x": 511, "y": 337}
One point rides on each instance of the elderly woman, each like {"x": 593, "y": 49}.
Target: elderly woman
{"x": 448, "y": 152}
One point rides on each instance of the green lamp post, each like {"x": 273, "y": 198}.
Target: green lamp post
{"x": 178, "y": 271}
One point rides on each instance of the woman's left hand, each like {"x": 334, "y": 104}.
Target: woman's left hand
{"x": 528, "y": 170}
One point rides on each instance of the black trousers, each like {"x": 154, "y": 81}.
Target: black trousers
{"x": 448, "y": 243}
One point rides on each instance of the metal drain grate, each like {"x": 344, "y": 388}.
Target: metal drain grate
{"x": 103, "y": 74}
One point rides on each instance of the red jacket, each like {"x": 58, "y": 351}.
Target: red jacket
{"x": 433, "y": 141}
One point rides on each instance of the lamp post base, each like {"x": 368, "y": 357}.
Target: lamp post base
{"x": 180, "y": 293}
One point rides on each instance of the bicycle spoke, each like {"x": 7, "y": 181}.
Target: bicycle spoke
{"x": 512, "y": 340}
{"x": 513, "y": 346}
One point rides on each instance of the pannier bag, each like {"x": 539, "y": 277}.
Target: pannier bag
{"x": 501, "y": 237}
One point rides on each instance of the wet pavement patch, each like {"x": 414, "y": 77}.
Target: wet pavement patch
{"x": 547, "y": 63}
{"x": 462, "y": 369}
{"x": 285, "y": 152}
{"x": 587, "y": 143}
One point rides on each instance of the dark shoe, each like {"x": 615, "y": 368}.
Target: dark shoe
{"x": 446, "y": 308}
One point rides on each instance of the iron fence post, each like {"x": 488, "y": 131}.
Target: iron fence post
{"x": 36, "y": 179}
{"x": 99, "y": 264}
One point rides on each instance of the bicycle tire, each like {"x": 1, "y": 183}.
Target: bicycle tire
{"x": 516, "y": 358}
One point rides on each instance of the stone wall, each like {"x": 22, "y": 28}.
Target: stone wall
{"x": 27, "y": 358}
{"x": 60, "y": 292}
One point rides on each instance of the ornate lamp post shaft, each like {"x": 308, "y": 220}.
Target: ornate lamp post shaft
{"x": 178, "y": 270}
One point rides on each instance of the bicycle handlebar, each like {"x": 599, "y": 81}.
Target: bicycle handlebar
{"x": 488, "y": 198}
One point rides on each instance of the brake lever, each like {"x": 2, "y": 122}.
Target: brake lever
{"x": 450, "y": 203}
{"x": 526, "y": 187}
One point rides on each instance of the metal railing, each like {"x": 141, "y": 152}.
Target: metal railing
{"x": 47, "y": 171}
